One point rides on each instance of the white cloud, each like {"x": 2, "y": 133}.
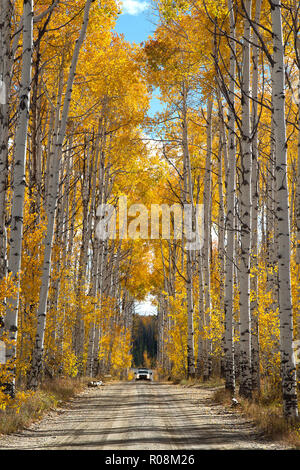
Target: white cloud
{"x": 146, "y": 307}
{"x": 134, "y": 7}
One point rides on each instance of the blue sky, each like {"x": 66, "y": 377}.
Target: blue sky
{"x": 137, "y": 22}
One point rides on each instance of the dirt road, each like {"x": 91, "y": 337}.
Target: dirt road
{"x": 148, "y": 416}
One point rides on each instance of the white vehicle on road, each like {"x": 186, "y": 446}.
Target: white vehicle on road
{"x": 143, "y": 374}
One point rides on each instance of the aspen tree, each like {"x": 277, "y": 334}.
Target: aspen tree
{"x": 20, "y": 149}
{"x": 207, "y": 366}
{"x": 230, "y": 201}
{"x": 188, "y": 198}
{"x": 255, "y": 365}
{"x": 245, "y": 214}
{"x": 6, "y": 12}
{"x": 288, "y": 368}
{"x": 37, "y": 359}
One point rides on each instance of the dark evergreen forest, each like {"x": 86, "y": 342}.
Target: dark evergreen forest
{"x": 144, "y": 347}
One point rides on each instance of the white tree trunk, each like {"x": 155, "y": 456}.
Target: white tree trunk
{"x": 37, "y": 358}
{"x": 6, "y": 11}
{"x": 92, "y": 330}
{"x": 245, "y": 216}
{"x": 188, "y": 199}
{"x": 207, "y": 365}
{"x": 255, "y": 363}
{"x": 230, "y": 204}
{"x": 222, "y": 157}
{"x": 16, "y": 231}
{"x": 83, "y": 258}
{"x": 201, "y": 315}
{"x": 95, "y": 263}
{"x": 288, "y": 369}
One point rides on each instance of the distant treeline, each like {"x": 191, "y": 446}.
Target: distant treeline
{"x": 144, "y": 335}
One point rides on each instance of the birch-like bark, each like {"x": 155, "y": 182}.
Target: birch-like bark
{"x": 20, "y": 149}
{"x": 245, "y": 216}
{"x": 83, "y": 258}
{"x": 288, "y": 368}
{"x": 165, "y": 307}
{"x": 207, "y": 365}
{"x": 92, "y": 330}
{"x": 95, "y": 260}
{"x": 255, "y": 363}
{"x": 98, "y": 323}
{"x": 229, "y": 369}
{"x": 188, "y": 198}
{"x": 222, "y": 158}
{"x": 37, "y": 358}
{"x": 55, "y": 285}
{"x": 65, "y": 256}
{"x": 160, "y": 339}
{"x": 35, "y": 169}
{"x": 6, "y": 11}
{"x": 199, "y": 367}
{"x": 100, "y": 274}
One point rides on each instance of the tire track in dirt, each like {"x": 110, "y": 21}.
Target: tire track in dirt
{"x": 141, "y": 416}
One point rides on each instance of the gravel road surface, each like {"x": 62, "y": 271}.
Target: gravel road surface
{"x": 141, "y": 415}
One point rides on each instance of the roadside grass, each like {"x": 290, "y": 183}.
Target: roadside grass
{"x": 29, "y": 407}
{"x": 213, "y": 382}
{"x": 265, "y": 411}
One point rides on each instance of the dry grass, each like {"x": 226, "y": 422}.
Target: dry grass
{"x": 223, "y": 396}
{"x": 265, "y": 411}
{"x": 64, "y": 388}
{"x": 51, "y": 394}
{"x": 213, "y": 382}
